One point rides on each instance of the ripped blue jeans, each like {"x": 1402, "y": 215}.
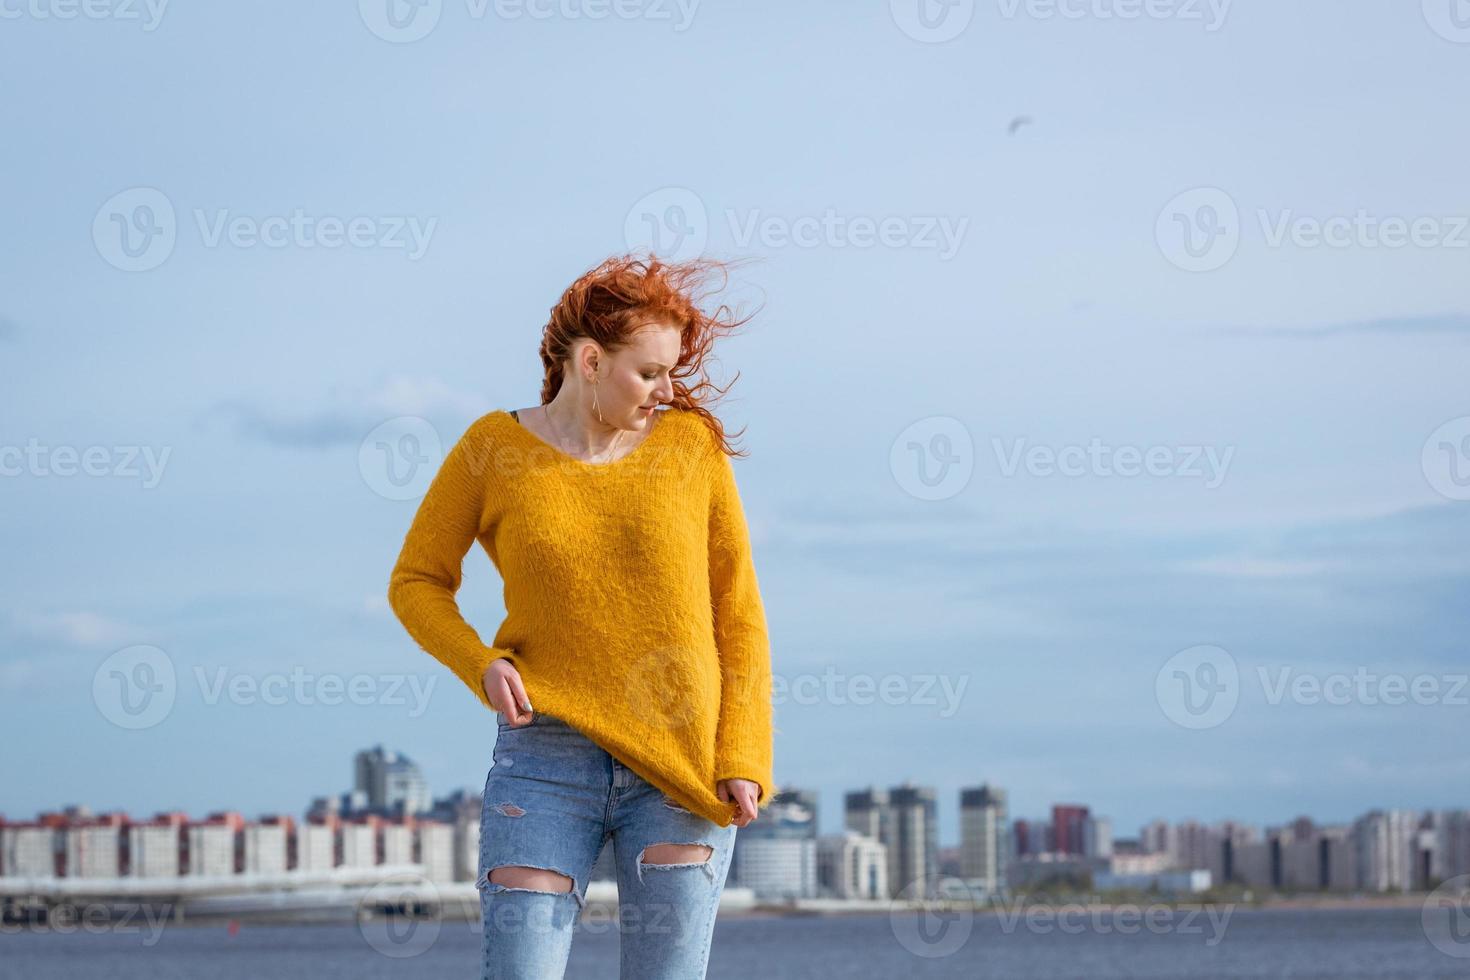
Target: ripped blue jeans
{"x": 552, "y": 799}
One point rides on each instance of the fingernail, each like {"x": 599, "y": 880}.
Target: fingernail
{"x": 526, "y": 705}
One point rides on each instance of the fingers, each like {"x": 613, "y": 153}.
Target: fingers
{"x": 518, "y": 692}
{"x": 746, "y": 796}
{"x": 513, "y": 711}
{"x": 743, "y": 796}
{"x": 508, "y": 697}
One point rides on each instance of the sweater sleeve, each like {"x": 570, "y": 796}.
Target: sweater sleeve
{"x": 429, "y": 569}
{"x": 744, "y": 734}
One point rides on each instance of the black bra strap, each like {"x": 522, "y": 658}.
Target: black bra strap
{"x": 514, "y": 415}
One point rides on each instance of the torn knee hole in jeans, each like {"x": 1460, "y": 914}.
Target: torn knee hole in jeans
{"x": 706, "y": 862}
{"x": 484, "y": 883}
{"x": 509, "y": 810}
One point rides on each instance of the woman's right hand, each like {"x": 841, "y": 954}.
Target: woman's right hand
{"x": 506, "y": 693}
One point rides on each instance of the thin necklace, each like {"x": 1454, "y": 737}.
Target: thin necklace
{"x": 557, "y": 429}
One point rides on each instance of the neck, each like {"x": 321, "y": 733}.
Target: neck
{"x": 576, "y": 425}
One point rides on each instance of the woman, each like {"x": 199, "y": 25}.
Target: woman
{"x": 634, "y": 624}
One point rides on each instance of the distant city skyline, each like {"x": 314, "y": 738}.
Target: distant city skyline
{"x": 887, "y": 847}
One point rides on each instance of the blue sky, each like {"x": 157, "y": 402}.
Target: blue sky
{"x": 491, "y": 160}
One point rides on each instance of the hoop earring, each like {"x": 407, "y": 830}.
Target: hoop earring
{"x": 595, "y": 403}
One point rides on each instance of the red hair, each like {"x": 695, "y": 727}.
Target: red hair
{"x": 623, "y": 294}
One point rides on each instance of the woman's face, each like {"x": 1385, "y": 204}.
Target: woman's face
{"x": 636, "y": 379}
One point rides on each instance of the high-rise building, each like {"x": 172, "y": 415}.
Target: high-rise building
{"x": 1069, "y": 829}
{"x": 29, "y": 850}
{"x": 776, "y": 857}
{"x": 216, "y": 847}
{"x": 1030, "y": 837}
{"x": 1097, "y": 837}
{"x": 1451, "y": 857}
{"x": 357, "y": 842}
{"x": 866, "y": 811}
{"x": 156, "y": 849}
{"x": 852, "y": 865}
{"x": 435, "y": 847}
{"x": 316, "y": 844}
{"x": 391, "y": 783}
{"x": 985, "y": 838}
{"x": 1385, "y": 843}
{"x": 94, "y": 847}
{"x": 915, "y": 840}
{"x": 268, "y": 845}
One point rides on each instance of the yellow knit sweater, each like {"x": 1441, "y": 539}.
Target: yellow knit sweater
{"x": 632, "y": 608}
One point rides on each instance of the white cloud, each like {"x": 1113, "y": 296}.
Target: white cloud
{"x": 80, "y": 628}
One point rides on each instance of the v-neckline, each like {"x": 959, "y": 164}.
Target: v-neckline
{"x": 660, "y": 423}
